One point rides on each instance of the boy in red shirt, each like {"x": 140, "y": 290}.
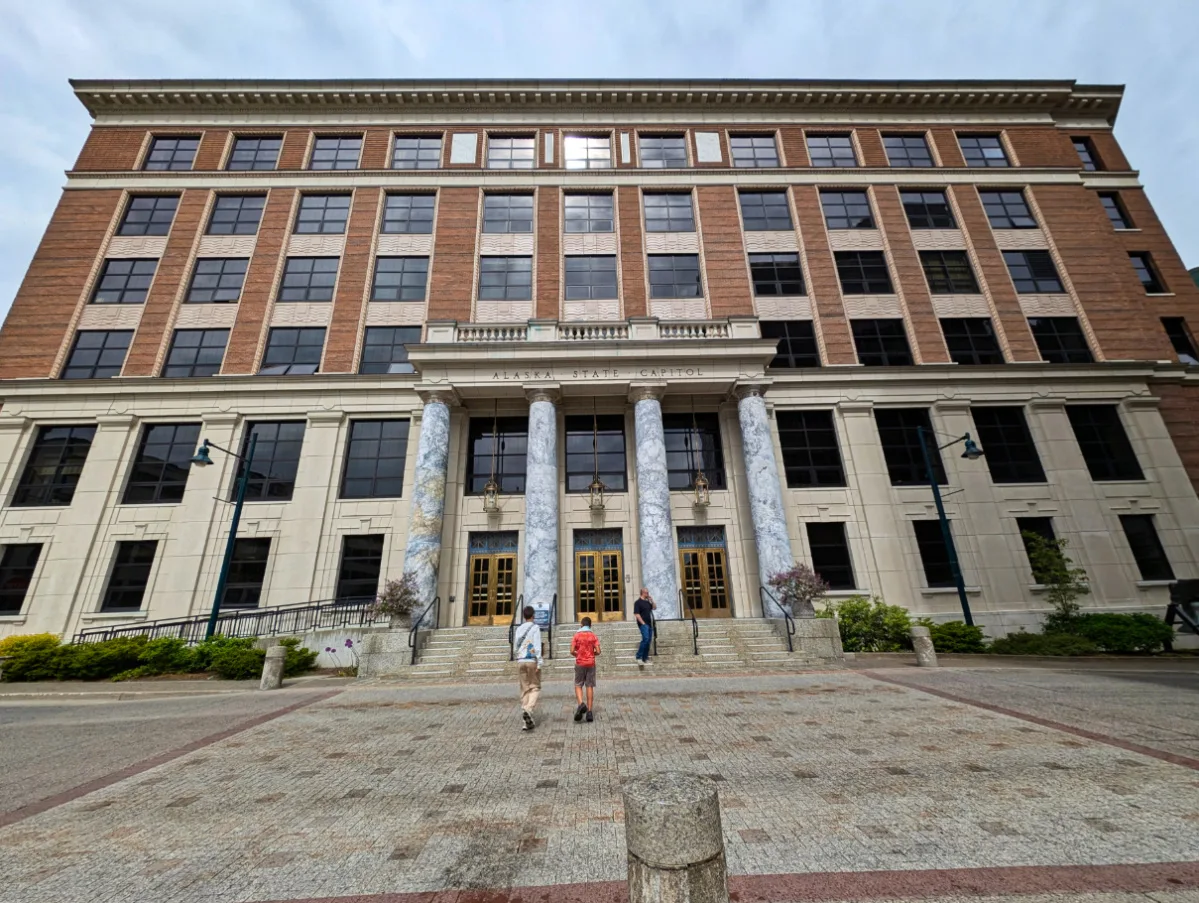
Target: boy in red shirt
{"x": 585, "y": 646}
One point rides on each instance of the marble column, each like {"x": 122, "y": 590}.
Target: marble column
{"x": 653, "y": 503}
{"x": 422, "y": 555}
{"x": 541, "y": 498}
{"x": 765, "y": 491}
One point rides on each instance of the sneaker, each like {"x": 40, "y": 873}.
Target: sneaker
{"x": 590, "y": 716}
{"x": 580, "y": 711}
{"x": 647, "y": 662}
{"x": 529, "y": 725}
{"x": 640, "y": 663}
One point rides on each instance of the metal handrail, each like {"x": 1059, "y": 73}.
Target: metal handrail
{"x": 550, "y": 629}
{"x": 412, "y": 644}
{"x": 520, "y": 607}
{"x": 653, "y": 632}
{"x": 684, "y": 605}
{"x": 763, "y": 593}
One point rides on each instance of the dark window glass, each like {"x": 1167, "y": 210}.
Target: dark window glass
{"x": 16, "y": 573}
{"x": 1007, "y": 210}
{"x": 830, "y": 554}
{"x": 55, "y": 463}
{"x": 508, "y": 152}
{"x": 1146, "y": 547}
{"x": 505, "y": 278}
{"x": 948, "y": 273}
{"x": 162, "y": 464}
{"x": 247, "y": 570}
{"x": 934, "y": 553}
{"x": 130, "y": 575}
{"x": 669, "y": 212}
{"x": 171, "y": 153}
{"x": 971, "y": 340}
{"x": 195, "y": 352}
{"x": 217, "y": 280}
{"x": 124, "y": 281}
{"x": 674, "y": 276}
{"x": 982, "y": 150}
{"x": 1008, "y": 446}
{"x": 689, "y": 444}
{"x": 416, "y": 152}
{"x": 384, "y": 349}
{"x": 375, "y": 459}
{"x": 797, "y": 343}
{"x": 1060, "y": 340}
{"x": 663, "y": 151}
{"x": 881, "y": 343}
{"x": 1115, "y": 210}
{"x": 323, "y": 214}
{"x": 589, "y": 213}
{"x": 336, "y": 153}
{"x": 1086, "y": 154}
{"x": 898, "y": 432}
{"x": 907, "y": 150}
{"x": 236, "y": 214}
{"x": 587, "y": 151}
{"x": 1040, "y": 526}
{"x": 276, "y": 460}
{"x": 410, "y": 214}
{"x": 149, "y": 215}
{"x": 590, "y": 278}
{"x": 927, "y": 210}
{"x": 1103, "y": 442}
{"x": 400, "y": 278}
{"x": 811, "y": 454}
{"x": 595, "y": 447}
{"x": 361, "y": 563}
{"x": 309, "y": 279}
{"x": 846, "y": 210}
{"x": 293, "y": 351}
{"x": 499, "y": 447}
{"x": 831, "y": 150}
{"x": 863, "y": 273}
{"x": 776, "y": 274}
{"x": 97, "y": 354}
{"x": 254, "y": 153}
{"x": 1142, "y": 265}
{"x": 1033, "y": 272}
{"x": 765, "y": 211}
{"x": 508, "y": 213}
{"x": 754, "y": 151}
{"x": 1181, "y": 339}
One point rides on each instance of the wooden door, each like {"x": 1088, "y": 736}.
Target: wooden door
{"x": 705, "y": 582}
{"x": 492, "y": 588}
{"x": 599, "y": 585}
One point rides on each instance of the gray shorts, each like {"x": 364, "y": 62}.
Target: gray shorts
{"x": 584, "y": 675}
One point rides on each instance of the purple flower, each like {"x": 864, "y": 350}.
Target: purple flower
{"x": 328, "y": 648}
{"x": 349, "y": 644}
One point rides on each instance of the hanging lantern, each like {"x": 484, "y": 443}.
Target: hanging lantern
{"x": 596, "y": 489}
{"x": 702, "y": 498}
{"x": 491, "y": 497}
{"x": 701, "y": 490}
{"x": 491, "y": 489}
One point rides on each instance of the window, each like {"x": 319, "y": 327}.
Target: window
{"x": 674, "y": 276}
{"x": 1103, "y": 442}
{"x": 776, "y": 274}
{"x": 881, "y": 343}
{"x": 934, "y": 553}
{"x": 691, "y": 443}
{"x": 506, "y": 152}
{"x": 1142, "y": 265}
{"x": 375, "y": 459}
{"x": 236, "y": 214}
{"x": 162, "y": 464}
{"x": 336, "y": 153}
{"x": 55, "y": 463}
{"x": 1060, "y": 340}
{"x": 293, "y": 352}
{"x": 309, "y": 279}
{"x": 663, "y": 151}
{"x": 497, "y": 447}
{"x": 124, "y": 281}
{"x": 1115, "y": 210}
{"x": 400, "y": 278}
{"x": 830, "y": 554}
{"x": 927, "y": 210}
{"x": 247, "y": 570}
{"x": 982, "y": 150}
{"x": 1033, "y": 272}
{"x": 1039, "y": 526}
{"x": 323, "y": 214}
{"x": 811, "y": 455}
{"x": 668, "y": 213}
{"x": 416, "y": 152}
{"x": 590, "y": 278}
{"x": 898, "y": 432}
{"x": 254, "y": 153}
{"x": 1086, "y": 154}
{"x": 863, "y": 273}
{"x": 831, "y": 150}
{"x": 1181, "y": 339}
{"x": 1146, "y": 547}
{"x": 797, "y": 343}
{"x": 1007, "y": 210}
{"x": 754, "y": 151}
{"x": 505, "y": 278}
{"x": 765, "y": 211}
{"x": 384, "y": 349}
{"x": 361, "y": 562}
{"x": 595, "y": 447}
{"x": 907, "y": 150}
{"x": 97, "y": 354}
{"x": 149, "y": 215}
{"x": 171, "y": 153}
{"x": 217, "y": 280}
{"x": 948, "y": 273}
{"x": 130, "y": 575}
{"x": 1010, "y": 452}
{"x": 507, "y": 213}
{"x": 846, "y": 210}
{"x": 16, "y": 573}
{"x": 195, "y": 352}
{"x": 410, "y": 214}
{"x": 971, "y": 341}
{"x": 589, "y": 213}
{"x": 276, "y": 460}
{"x": 587, "y": 151}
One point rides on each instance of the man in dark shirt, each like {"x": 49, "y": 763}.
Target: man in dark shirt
{"x": 643, "y": 612}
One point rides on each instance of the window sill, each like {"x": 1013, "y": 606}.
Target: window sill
{"x": 114, "y": 616}
{"x": 1159, "y": 294}
{"x": 12, "y": 619}
{"x": 1133, "y": 229}
{"x": 1153, "y": 584}
{"x": 1038, "y": 588}
{"x": 948, "y": 590}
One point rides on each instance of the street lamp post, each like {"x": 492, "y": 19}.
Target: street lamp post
{"x": 972, "y": 453}
{"x": 201, "y": 459}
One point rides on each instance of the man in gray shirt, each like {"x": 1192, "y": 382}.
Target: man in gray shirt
{"x": 526, "y": 649}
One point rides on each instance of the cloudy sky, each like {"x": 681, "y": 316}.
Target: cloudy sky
{"x": 1148, "y": 45}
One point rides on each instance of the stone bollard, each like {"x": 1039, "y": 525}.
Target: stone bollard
{"x": 272, "y": 668}
{"x": 672, "y": 831}
{"x": 926, "y": 655}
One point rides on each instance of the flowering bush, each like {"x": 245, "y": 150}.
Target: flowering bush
{"x": 798, "y": 589}
{"x": 346, "y": 670}
{"x": 398, "y": 598}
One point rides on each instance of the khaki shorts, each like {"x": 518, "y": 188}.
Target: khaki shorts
{"x": 584, "y": 675}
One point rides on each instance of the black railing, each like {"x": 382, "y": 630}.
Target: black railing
{"x": 653, "y": 632}
{"x": 685, "y": 606}
{"x": 413, "y": 644}
{"x": 763, "y": 594}
{"x": 1183, "y": 607}
{"x": 517, "y": 614}
{"x": 550, "y": 626}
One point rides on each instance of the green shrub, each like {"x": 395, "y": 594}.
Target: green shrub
{"x": 299, "y": 658}
{"x": 870, "y": 625}
{"x": 1043, "y": 644}
{"x": 204, "y": 652}
{"x": 98, "y": 661}
{"x": 22, "y": 642}
{"x": 1121, "y": 633}
{"x": 955, "y": 636}
{"x": 33, "y": 658}
{"x": 238, "y": 662}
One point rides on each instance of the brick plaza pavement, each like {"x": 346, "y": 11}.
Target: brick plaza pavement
{"x": 380, "y": 790}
